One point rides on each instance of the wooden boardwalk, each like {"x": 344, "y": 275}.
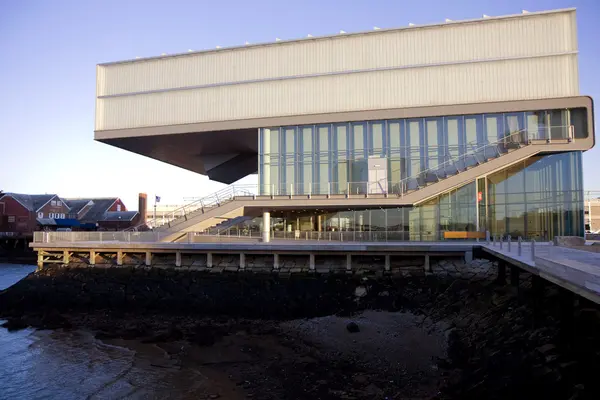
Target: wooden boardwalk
{"x": 575, "y": 270}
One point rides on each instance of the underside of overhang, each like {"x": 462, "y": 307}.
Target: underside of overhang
{"x": 225, "y": 156}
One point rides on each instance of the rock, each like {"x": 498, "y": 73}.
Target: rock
{"x": 546, "y": 348}
{"x": 15, "y": 324}
{"x": 352, "y": 327}
{"x": 360, "y": 291}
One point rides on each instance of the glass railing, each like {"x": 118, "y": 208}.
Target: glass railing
{"x": 434, "y": 165}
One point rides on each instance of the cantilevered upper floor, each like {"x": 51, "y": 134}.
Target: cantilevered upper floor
{"x": 202, "y": 110}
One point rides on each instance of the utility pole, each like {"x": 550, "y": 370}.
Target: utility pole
{"x": 590, "y": 210}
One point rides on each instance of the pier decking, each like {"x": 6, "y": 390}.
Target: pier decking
{"x": 575, "y": 270}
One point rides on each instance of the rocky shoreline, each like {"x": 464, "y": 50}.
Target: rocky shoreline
{"x": 498, "y": 342}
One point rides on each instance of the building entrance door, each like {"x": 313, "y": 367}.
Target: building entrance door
{"x": 377, "y": 175}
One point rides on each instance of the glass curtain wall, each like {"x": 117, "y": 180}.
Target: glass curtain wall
{"x": 538, "y": 198}
{"x": 333, "y": 158}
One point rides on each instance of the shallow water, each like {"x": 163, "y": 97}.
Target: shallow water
{"x": 74, "y": 365}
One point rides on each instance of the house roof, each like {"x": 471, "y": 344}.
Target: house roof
{"x": 96, "y": 212}
{"x": 77, "y": 205}
{"x": 114, "y": 216}
{"x": 32, "y": 202}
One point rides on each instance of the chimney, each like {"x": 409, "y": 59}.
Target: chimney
{"x": 142, "y": 204}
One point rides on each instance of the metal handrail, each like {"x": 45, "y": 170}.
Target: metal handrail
{"x": 453, "y": 162}
{"x": 523, "y": 137}
{"x": 215, "y": 199}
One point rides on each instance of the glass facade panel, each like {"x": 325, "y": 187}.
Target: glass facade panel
{"x": 376, "y": 146}
{"x": 332, "y": 158}
{"x": 358, "y": 140}
{"x": 578, "y": 119}
{"x": 538, "y": 198}
{"x": 453, "y": 136}
{"x": 289, "y": 161}
{"x": 306, "y": 170}
{"x": 324, "y": 157}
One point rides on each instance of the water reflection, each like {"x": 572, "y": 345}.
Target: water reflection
{"x": 74, "y": 365}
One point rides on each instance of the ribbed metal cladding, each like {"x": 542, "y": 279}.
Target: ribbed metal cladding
{"x": 521, "y": 57}
{"x": 460, "y": 84}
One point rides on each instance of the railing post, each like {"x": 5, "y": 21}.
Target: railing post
{"x": 487, "y": 237}
{"x": 509, "y": 239}
{"x": 519, "y": 246}
{"x": 348, "y": 189}
{"x": 501, "y": 241}
{"x": 533, "y": 249}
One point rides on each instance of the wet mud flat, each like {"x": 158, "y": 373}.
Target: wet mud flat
{"x": 325, "y": 337}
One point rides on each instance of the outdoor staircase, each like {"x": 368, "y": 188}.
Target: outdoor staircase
{"x": 454, "y": 166}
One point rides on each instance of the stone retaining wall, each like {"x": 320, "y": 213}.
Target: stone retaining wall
{"x": 258, "y": 291}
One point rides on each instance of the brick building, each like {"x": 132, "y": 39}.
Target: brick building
{"x": 22, "y": 214}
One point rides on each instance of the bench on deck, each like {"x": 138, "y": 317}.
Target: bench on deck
{"x": 463, "y": 235}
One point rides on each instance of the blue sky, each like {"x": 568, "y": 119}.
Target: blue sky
{"x": 49, "y": 49}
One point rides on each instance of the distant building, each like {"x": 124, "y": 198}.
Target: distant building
{"x": 92, "y": 212}
{"x": 105, "y": 213}
{"x": 25, "y": 213}
{"x": 592, "y": 214}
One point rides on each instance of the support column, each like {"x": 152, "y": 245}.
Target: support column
{"x": 119, "y": 257}
{"x": 66, "y": 257}
{"x": 537, "y": 289}
{"x": 92, "y": 257}
{"x": 567, "y": 315}
{"x": 266, "y": 227}
{"x": 148, "y": 259}
{"x": 40, "y": 260}
{"x": 178, "y": 259}
{"x": 514, "y": 276}
{"x": 469, "y": 256}
{"x": 387, "y": 263}
{"x": 427, "y": 266}
{"x": 242, "y": 261}
{"x": 311, "y": 261}
{"x": 501, "y": 272}
{"x": 276, "y": 261}
{"x": 348, "y": 263}
{"x": 209, "y": 260}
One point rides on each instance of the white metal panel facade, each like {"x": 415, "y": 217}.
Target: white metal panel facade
{"x": 520, "y": 57}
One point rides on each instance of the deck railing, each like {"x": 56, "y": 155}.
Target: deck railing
{"x": 434, "y": 166}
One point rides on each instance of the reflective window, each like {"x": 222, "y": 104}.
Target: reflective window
{"x": 332, "y": 158}
{"x": 538, "y": 198}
